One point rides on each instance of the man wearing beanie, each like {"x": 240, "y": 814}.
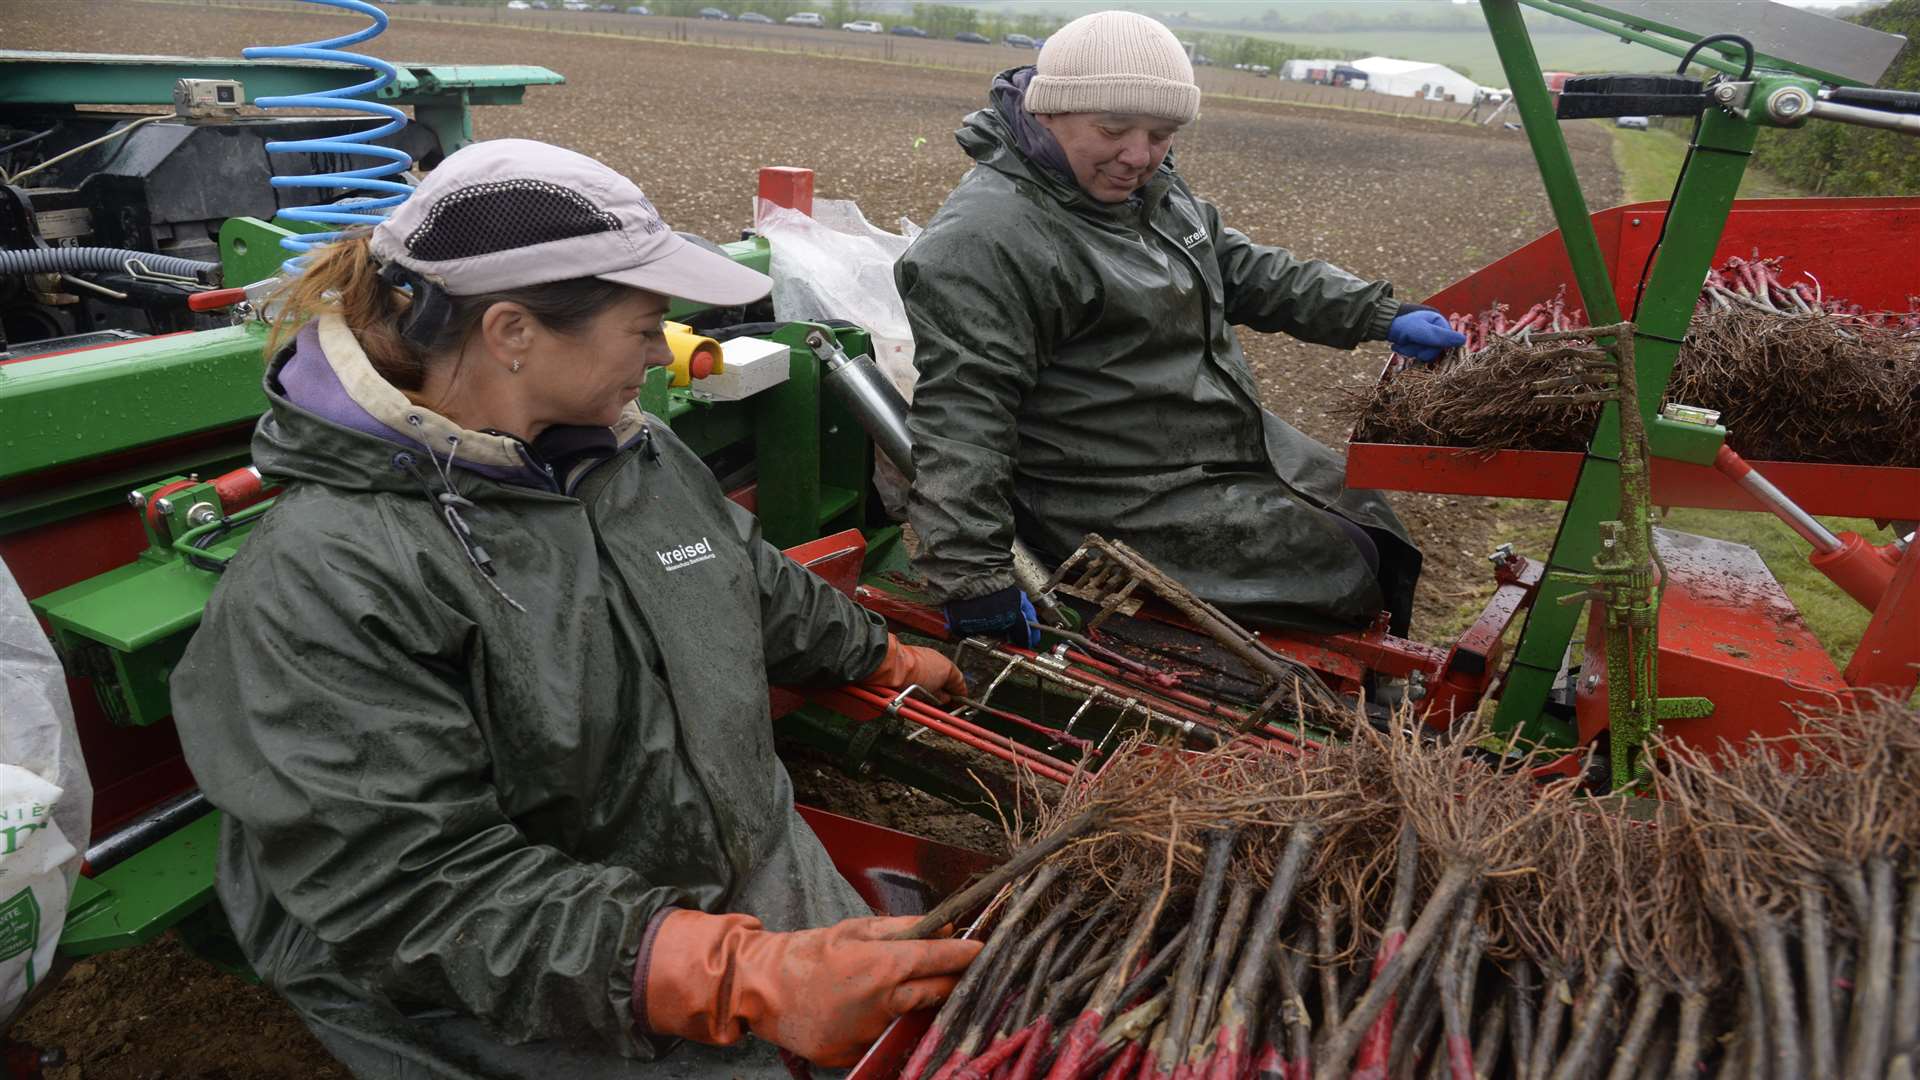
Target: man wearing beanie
{"x": 1073, "y": 306}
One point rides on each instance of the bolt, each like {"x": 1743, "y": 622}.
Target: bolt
{"x": 165, "y": 506}
{"x": 1501, "y": 555}
{"x": 137, "y": 500}
{"x": 202, "y": 514}
{"x": 1788, "y": 102}
{"x": 1591, "y": 682}
{"x": 1724, "y": 93}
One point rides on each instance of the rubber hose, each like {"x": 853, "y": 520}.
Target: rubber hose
{"x": 94, "y": 259}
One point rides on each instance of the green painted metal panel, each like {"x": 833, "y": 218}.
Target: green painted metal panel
{"x": 42, "y": 78}
{"x": 139, "y": 899}
{"x": 57, "y": 410}
{"x": 1695, "y": 444}
{"x": 133, "y": 606}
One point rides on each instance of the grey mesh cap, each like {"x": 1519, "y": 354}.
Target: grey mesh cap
{"x": 508, "y": 213}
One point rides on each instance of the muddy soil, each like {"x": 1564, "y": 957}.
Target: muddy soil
{"x": 1418, "y": 202}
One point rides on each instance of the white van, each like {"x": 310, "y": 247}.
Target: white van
{"x": 807, "y": 18}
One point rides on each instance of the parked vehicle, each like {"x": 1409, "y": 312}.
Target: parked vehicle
{"x": 715, "y": 13}
{"x": 755, "y": 17}
{"x": 1019, "y": 41}
{"x": 1637, "y": 123}
{"x": 605, "y": 7}
{"x": 806, "y": 18}
{"x": 863, "y": 26}
{"x": 908, "y": 31}
{"x": 639, "y": 9}
{"x": 972, "y": 38}
{"x": 519, "y": 5}
{"x": 576, "y": 5}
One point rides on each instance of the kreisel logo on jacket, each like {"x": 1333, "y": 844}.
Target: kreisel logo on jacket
{"x": 685, "y": 555}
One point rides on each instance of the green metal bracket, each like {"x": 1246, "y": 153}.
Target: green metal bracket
{"x": 137, "y": 901}
{"x": 1679, "y": 440}
{"x": 60, "y": 410}
{"x": 250, "y": 249}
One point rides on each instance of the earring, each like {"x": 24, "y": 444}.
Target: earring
{"x": 516, "y": 365}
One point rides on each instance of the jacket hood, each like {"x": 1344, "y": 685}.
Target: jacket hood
{"x": 990, "y": 138}
{"x": 335, "y": 420}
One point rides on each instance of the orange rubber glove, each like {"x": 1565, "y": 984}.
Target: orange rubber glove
{"x": 927, "y": 667}
{"x": 824, "y": 994}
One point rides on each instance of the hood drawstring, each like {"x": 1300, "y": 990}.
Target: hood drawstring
{"x": 451, "y": 502}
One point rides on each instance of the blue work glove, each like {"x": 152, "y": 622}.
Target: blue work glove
{"x": 1422, "y": 333}
{"x": 1006, "y": 614}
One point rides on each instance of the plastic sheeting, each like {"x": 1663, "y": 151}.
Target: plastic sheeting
{"x": 46, "y": 800}
{"x": 838, "y": 265}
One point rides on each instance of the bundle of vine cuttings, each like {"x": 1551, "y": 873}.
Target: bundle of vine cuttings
{"x": 1396, "y": 905}
{"x": 1795, "y": 375}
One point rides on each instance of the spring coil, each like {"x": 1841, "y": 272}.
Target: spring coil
{"x": 376, "y": 194}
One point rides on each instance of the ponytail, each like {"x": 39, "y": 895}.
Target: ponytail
{"x": 342, "y": 279}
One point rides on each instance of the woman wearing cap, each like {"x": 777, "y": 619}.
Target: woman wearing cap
{"x": 1073, "y": 306}
{"x": 484, "y": 697}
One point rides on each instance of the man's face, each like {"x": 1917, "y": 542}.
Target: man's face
{"x": 1112, "y": 154}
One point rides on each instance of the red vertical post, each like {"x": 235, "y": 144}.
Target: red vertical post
{"x": 1889, "y": 651}
{"x": 784, "y": 185}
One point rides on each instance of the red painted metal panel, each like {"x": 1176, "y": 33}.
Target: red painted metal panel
{"x": 896, "y": 873}
{"x": 1729, "y": 633}
{"x": 837, "y": 558}
{"x": 1889, "y": 654}
{"x": 1846, "y": 490}
{"x": 784, "y": 185}
{"x": 1860, "y": 249}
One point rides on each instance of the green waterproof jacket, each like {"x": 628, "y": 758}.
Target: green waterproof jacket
{"x": 453, "y": 801}
{"x": 1079, "y": 373}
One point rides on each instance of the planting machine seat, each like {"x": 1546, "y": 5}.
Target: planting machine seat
{"x": 125, "y": 485}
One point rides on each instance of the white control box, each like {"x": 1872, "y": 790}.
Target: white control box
{"x": 751, "y": 365}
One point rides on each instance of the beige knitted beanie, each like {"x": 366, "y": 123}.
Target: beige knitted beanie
{"x": 1114, "y": 62}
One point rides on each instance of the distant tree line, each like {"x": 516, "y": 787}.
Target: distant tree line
{"x": 946, "y": 20}
{"x": 1829, "y": 158}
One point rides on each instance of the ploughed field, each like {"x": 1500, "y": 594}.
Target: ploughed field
{"x": 1419, "y": 202}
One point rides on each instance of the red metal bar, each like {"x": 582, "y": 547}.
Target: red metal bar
{"x": 1888, "y": 657}
{"x": 865, "y": 704}
{"x": 1842, "y": 490}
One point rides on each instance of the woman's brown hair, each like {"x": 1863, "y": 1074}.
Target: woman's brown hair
{"x": 341, "y": 278}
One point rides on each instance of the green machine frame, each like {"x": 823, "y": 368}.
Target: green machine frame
{"x": 83, "y": 429}
{"x": 1721, "y": 148}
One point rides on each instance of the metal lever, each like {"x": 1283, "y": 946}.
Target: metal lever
{"x": 880, "y": 409}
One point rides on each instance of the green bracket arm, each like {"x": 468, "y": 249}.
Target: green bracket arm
{"x": 1695, "y": 222}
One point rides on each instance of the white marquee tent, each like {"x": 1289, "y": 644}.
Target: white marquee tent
{"x": 1416, "y": 78}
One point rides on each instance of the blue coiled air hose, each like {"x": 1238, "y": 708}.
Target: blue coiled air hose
{"x": 375, "y": 194}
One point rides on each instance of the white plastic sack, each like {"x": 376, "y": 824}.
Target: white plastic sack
{"x": 837, "y": 265}
{"x": 46, "y": 800}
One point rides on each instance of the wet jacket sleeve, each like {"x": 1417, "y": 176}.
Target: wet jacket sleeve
{"x": 1270, "y": 290}
{"x": 321, "y": 707}
{"x": 813, "y": 632}
{"x": 982, "y": 326}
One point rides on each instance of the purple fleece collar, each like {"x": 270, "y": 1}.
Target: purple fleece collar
{"x": 307, "y": 380}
